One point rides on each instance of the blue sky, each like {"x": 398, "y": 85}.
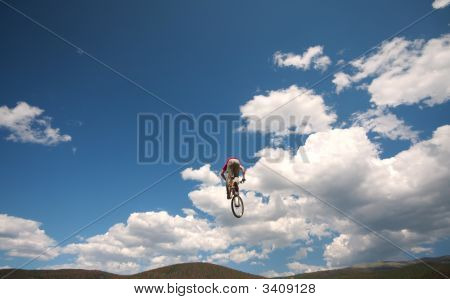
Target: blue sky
{"x": 200, "y": 57}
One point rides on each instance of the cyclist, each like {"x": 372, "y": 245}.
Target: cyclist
{"x": 232, "y": 168}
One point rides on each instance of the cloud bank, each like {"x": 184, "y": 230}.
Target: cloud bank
{"x": 21, "y": 237}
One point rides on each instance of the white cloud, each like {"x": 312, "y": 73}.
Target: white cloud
{"x": 385, "y": 123}
{"x": 305, "y": 113}
{"x": 350, "y": 249}
{"x": 312, "y": 56}
{"x": 203, "y": 174}
{"x": 189, "y": 212}
{"x": 21, "y": 237}
{"x": 238, "y": 255}
{"x": 109, "y": 266}
{"x": 440, "y": 3}
{"x": 341, "y": 80}
{"x": 404, "y": 72}
{"x": 403, "y": 197}
{"x": 302, "y": 253}
{"x": 269, "y": 225}
{"x": 26, "y": 124}
{"x": 298, "y": 268}
{"x": 149, "y": 240}
{"x": 420, "y": 249}
{"x": 273, "y": 273}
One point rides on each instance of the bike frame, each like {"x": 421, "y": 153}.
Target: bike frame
{"x": 233, "y": 190}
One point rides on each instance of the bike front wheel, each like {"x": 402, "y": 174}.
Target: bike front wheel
{"x": 237, "y": 206}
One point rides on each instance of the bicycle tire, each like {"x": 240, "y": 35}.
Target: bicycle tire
{"x": 237, "y": 211}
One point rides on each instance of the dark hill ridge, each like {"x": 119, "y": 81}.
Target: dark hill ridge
{"x": 402, "y": 269}
{"x": 60, "y": 274}
{"x": 178, "y": 271}
{"x": 194, "y": 270}
{"x": 389, "y": 270}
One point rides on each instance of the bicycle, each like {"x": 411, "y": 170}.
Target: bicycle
{"x": 237, "y": 205}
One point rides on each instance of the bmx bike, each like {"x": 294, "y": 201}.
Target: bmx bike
{"x": 237, "y": 205}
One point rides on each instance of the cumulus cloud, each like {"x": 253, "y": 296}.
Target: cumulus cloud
{"x": 26, "y": 124}
{"x": 21, "y": 237}
{"x": 349, "y": 249}
{"x": 437, "y": 4}
{"x": 396, "y": 196}
{"x": 304, "y": 268}
{"x": 267, "y": 224}
{"x": 404, "y": 72}
{"x": 302, "y": 253}
{"x": 385, "y": 123}
{"x": 341, "y": 80}
{"x": 403, "y": 197}
{"x": 305, "y": 112}
{"x": 148, "y": 240}
{"x": 312, "y": 56}
{"x": 273, "y": 273}
{"x": 203, "y": 174}
{"x": 420, "y": 249}
{"x": 238, "y": 255}
{"x": 189, "y": 212}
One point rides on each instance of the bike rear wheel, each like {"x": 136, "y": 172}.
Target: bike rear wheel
{"x": 237, "y": 206}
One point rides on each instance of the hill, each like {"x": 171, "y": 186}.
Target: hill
{"x": 386, "y": 270}
{"x": 194, "y": 270}
{"x": 56, "y": 274}
{"x": 186, "y": 271}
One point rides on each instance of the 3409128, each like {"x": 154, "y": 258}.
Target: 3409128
{"x": 289, "y": 288}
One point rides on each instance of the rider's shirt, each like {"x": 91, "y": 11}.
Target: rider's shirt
{"x": 224, "y": 168}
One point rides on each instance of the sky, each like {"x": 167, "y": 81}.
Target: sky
{"x": 371, "y": 79}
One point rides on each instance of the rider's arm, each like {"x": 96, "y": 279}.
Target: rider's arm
{"x": 222, "y": 174}
{"x": 243, "y": 172}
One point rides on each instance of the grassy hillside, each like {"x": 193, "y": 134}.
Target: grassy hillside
{"x": 407, "y": 269}
{"x": 188, "y": 270}
{"x": 194, "y": 270}
{"x": 386, "y": 270}
{"x": 63, "y": 274}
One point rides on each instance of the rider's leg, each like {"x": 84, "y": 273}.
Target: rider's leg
{"x": 227, "y": 185}
{"x": 234, "y": 171}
